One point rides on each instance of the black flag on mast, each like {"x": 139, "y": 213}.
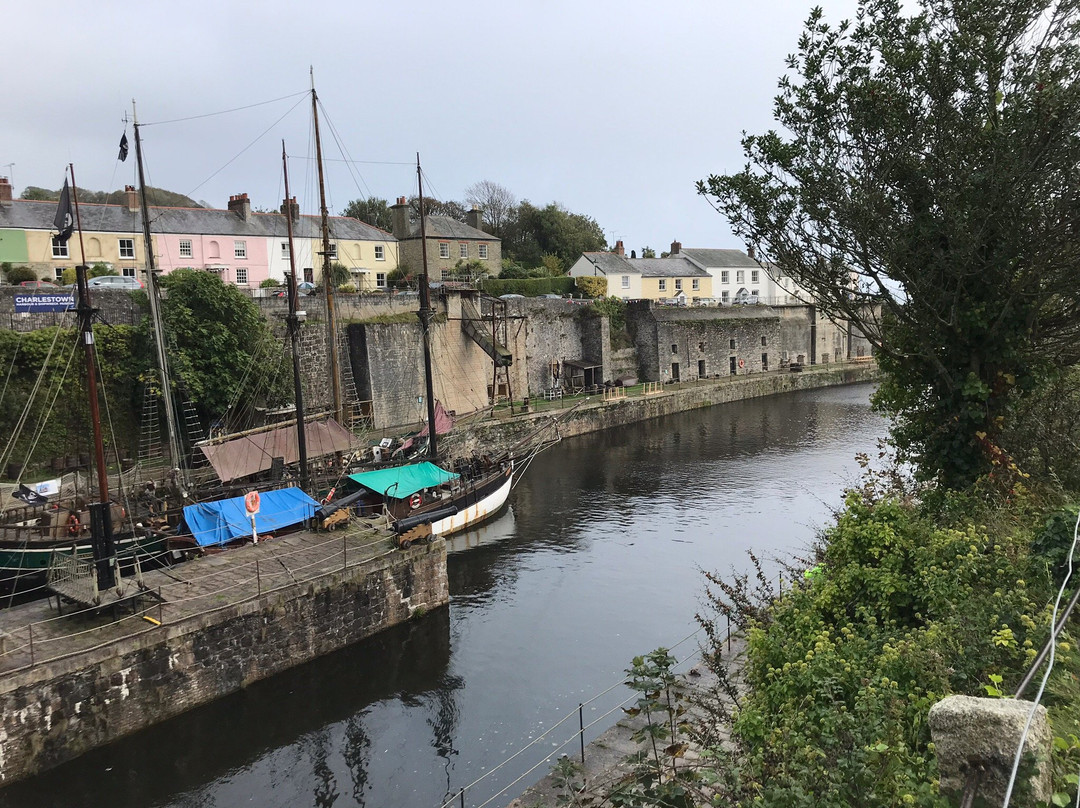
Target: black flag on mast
{"x": 123, "y": 148}
{"x": 65, "y": 216}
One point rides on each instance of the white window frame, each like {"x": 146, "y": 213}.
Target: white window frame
{"x": 739, "y": 275}
{"x": 125, "y": 248}
{"x": 239, "y": 249}
{"x": 59, "y": 249}
{"x": 725, "y": 296}
{"x": 444, "y": 249}
{"x": 58, "y": 272}
{"x": 724, "y": 276}
{"x": 753, "y": 276}
{"x": 625, "y": 281}
{"x": 463, "y": 249}
{"x": 284, "y": 249}
{"x": 678, "y": 284}
{"x": 241, "y": 276}
{"x": 695, "y": 284}
{"x": 333, "y": 251}
{"x": 127, "y": 272}
{"x": 380, "y": 280}
{"x": 380, "y": 253}
{"x": 482, "y": 250}
{"x": 663, "y": 284}
{"x": 185, "y": 248}
{"x": 754, "y": 292}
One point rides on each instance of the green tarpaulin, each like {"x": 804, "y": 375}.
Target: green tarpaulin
{"x": 403, "y": 481}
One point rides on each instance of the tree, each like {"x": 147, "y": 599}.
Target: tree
{"x": 16, "y": 275}
{"x": 924, "y": 184}
{"x": 497, "y": 202}
{"x": 373, "y": 211}
{"x": 218, "y": 341}
{"x": 551, "y": 230}
{"x": 648, "y": 252}
{"x": 433, "y": 207}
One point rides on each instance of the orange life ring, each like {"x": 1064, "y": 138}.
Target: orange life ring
{"x": 73, "y": 526}
{"x": 251, "y": 501}
{"x": 415, "y": 501}
{"x": 741, "y": 363}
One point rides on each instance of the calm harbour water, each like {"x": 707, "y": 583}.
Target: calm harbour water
{"x": 597, "y": 559}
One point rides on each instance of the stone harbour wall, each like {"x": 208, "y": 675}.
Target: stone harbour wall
{"x": 58, "y": 710}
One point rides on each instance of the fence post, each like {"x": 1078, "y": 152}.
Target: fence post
{"x": 30, "y": 628}
{"x": 581, "y": 729}
{"x": 258, "y": 577}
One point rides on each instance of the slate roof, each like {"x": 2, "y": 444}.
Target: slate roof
{"x": 674, "y": 267}
{"x": 30, "y": 215}
{"x": 611, "y": 264}
{"x": 446, "y": 227}
{"x": 720, "y": 258}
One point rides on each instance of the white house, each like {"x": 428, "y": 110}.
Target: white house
{"x": 623, "y": 279}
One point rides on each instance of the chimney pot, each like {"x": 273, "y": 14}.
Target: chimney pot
{"x": 5, "y": 191}
{"x": 239, "y": 204}
{"x": 290, "y": 206}
{"x": 132, "y": 198}
{"x": 675, "y": 247}
{"x": 619, "y": 248}
{"x": 750, "y": 252}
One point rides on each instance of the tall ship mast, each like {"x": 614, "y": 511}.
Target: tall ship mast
{"x": 172, "y": 423}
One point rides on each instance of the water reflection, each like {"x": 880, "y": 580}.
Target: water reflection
{"x": 596, "y": 560}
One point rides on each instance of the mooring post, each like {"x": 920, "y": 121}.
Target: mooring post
{"x": 30, "y": 628}
{"x": 344, "y": 550}
{"x": 581, "y": 729}
{"x": 258, "y": 577}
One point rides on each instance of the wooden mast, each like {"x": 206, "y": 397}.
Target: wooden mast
{"x": 172, "y": 423}
{"x": 100, "y": 511}
{"x": 328, "y": 286}
{"x": 293, "y": 321}
{"x": 425, "y": 321}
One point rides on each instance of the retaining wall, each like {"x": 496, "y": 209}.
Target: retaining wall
{"x": 60, "y": 709}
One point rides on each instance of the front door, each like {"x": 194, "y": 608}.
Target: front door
{"x": 731, "y": 365}
{"x": 674, "y": 371}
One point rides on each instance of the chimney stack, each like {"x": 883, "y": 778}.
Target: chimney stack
{"x": 5, "y": 191}
{"x": 400, "y": 217}
{"x": 475, "y": 218}
{"x": 619, "y": 249}
{"x": 292, "y": 207}
{"x": 241, "y": 205}
{"x": 750, "y": 252}
{"x": 132, "y": 198}
{"x": 675, "y": 247}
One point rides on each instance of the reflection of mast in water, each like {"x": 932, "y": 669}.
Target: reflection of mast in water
{"x": 326, "y": 792}
{"x": 443, "y": 722}
{"x": 357, "y": 753}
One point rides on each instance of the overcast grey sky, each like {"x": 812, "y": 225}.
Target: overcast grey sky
{"x": 613, "y": 109}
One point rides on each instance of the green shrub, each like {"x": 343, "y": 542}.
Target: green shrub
{"x": 530, "y": 287}
{"x": 270, "y": 283}
{"x": 16, "y": 275}
{"x": 347, "y": 288}
{"x": 592, "y": 286}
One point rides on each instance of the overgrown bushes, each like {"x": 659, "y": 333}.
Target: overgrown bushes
{"x": 530, "y": 287}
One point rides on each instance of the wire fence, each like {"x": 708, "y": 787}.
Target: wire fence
{"x": 40, "y": 641}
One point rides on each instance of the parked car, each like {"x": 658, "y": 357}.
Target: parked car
{"x": 115, "y": 282}
{"x": 38, "y": 285}
{"x": 510, "y": 296}
{"x": 306, "y": 288}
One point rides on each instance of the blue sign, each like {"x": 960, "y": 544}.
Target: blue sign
{"x": 35, "y": 303}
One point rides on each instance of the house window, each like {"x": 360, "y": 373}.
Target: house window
{"x": 753, "y": 276}
{"x": 663, "y": 284}
{"x": 309, "y": 275}
{"x": 678, "y": 283}
{"x": 241, "y": 276}
{"x": 625, "y": 281}
{"x": 127, "y": 272}
{"x": 127, "y": 247}
{"x": 185, "y": 248}
{"x": 763, "y": 342}
{"x": 482, "y": 249}
{"x": 701, "y": 347}
{"x": 239, "y": 249}
{"x": 444, "y": 249}
{"x": 58, "y": 272}
{"x": 379, "y": 254}
{"x": 674, "y": 347}
{"x": 284, "y": 249}
{"x": 59, "y": 248}
{"x": 731, "y": 344}
{"x": 380, "y": 280}
{"x": 739, "y": 275}
{"x": 333, "y": 252}
{"x": 695, "y": 284}
{"x": 724, "y": 296}
{"x": 754, "y": 292}
{"x": 463, "y": 249}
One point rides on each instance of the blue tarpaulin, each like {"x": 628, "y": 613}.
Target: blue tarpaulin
{"x": 223, "y": 521}
{"x": 401, "y": 482}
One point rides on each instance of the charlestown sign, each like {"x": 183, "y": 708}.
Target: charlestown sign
{"x": 26, "y": 304}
